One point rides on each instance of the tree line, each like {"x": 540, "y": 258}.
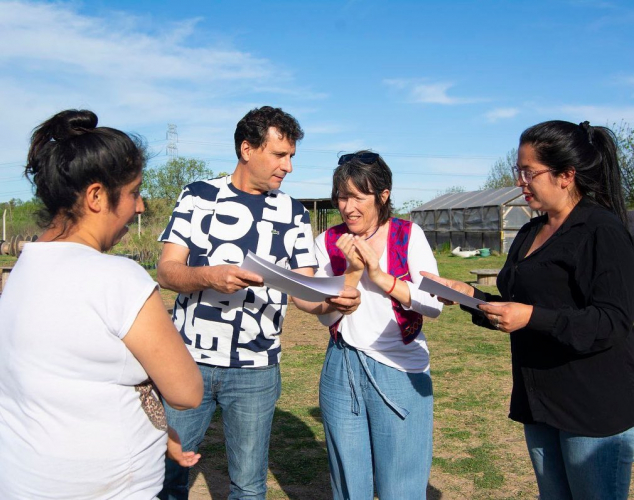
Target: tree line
{"x": 162, "y": 186}
{"x": 501, "y": 172}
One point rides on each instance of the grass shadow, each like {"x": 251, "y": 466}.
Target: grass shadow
{"x": 298, "y": 462}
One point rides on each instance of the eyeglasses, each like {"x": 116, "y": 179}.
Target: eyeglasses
{"x": 366, "y": 158}
{"x": 527, "y": 176}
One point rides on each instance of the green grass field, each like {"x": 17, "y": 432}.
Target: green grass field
{"x": 478, "y": 452}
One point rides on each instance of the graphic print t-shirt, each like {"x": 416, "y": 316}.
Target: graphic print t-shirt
{"x": 219, "y": 224}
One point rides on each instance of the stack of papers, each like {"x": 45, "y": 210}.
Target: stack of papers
{"x": 292, "y": 283}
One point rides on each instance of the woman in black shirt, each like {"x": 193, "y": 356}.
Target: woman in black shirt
{"x": 567, "y": 299}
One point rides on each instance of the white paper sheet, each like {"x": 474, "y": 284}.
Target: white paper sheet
{"x": 292, "y": 283}
{"x": 430, "y": 286}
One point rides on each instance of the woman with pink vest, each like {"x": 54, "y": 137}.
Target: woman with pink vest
{"x": 375, "y": 392}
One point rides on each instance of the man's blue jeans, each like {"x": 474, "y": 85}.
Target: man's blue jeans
{"x": 247, "y": 397}
{"x": 573, "y": 467}
{"x": 378, "y": 424}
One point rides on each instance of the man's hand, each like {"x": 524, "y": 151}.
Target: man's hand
{"x": 347, "y": 302}
{"x": 173, "y": 273}
{"x": 228, "y": 278}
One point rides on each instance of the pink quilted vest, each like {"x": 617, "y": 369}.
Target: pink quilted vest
{"x": 410, "y": 322}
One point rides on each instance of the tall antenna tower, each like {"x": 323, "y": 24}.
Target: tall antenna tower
{"x": 172, "y": 140}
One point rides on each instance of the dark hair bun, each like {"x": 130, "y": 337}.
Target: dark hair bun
{"x": 69, "y": 152}
{"x": 72, "y": 123}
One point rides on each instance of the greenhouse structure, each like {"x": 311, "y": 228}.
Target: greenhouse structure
{"x": 478, "y": 219}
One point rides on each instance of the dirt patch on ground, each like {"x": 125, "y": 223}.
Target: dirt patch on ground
{"x": 210, "y": 482}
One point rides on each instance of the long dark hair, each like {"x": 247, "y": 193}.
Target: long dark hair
{"x": 371, "y": 177}
{"x": 69, "y": 152}
{"x": 591, "y": 151}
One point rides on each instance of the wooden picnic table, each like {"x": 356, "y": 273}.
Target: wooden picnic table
{"x": 486, "y": 276}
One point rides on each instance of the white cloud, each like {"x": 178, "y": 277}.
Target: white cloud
{"x": 501, "y": 113}
{"x": 424, "y": 92}
{"x": 135, "y": 75}
{"x": 47, "y": 36}
{"x": 54, "y": 57}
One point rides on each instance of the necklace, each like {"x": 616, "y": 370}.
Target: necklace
{"x": 377, "y": 228}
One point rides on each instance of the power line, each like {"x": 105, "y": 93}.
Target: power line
{"x": 172, "y": 147}
{"x": 16, "y": 192}
{"x": 331, "y": 151}
{"x": 13, "y": 179}
{"x": 330, "y": 169}
{"x": 329, "y": 185}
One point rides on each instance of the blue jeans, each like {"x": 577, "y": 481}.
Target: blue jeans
{"x": 247, "y": 397}
{"x": 570, "y": 466}
{"x": 378, "y": 424}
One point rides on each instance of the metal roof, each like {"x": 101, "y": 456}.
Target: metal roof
{"x": 319, "y": 203}
{"x": 484, "y": 198}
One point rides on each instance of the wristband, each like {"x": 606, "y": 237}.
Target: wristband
{"x": 393, "y": 285}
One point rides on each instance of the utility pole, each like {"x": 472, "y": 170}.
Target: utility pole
{"x": 172, "y": 141}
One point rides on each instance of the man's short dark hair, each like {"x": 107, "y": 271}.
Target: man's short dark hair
{"x": 254, "y": 127}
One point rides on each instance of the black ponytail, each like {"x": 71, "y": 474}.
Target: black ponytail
{"x": 591, "y": 151}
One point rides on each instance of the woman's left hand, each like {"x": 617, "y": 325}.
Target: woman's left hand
{"x": 507, "y": 316}
{"x": 348, "y": 300}
{"x": 369, "y": 257}
{"x": 345, "y": 243}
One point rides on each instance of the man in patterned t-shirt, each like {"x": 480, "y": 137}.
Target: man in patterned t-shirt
{"x": 229, "y": 321}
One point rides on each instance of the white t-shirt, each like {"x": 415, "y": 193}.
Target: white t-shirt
{"x": 372, "y": 328}
{"x": 71, "y": 421}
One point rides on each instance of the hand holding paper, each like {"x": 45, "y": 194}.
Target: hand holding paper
{"x": 294, "y": 284}
{"x": 449, "y": 291}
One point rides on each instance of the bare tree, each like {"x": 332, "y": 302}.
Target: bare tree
{"x": 408, "y": 206}
{"x": 450, "y": 190}
{"x": 625, "y": 137}
{"x": 501, "y": 172}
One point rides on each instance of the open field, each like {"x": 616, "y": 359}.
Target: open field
{"x": 478, "y": 452}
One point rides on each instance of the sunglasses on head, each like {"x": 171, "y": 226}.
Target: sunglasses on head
{"x": 366, "y": 158}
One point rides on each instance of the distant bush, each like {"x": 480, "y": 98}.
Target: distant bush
{"x": 21, "y": 218}
{"x": 444, "y": 249}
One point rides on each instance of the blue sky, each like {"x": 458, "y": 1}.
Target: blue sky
{"x": 440, "y": 88}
